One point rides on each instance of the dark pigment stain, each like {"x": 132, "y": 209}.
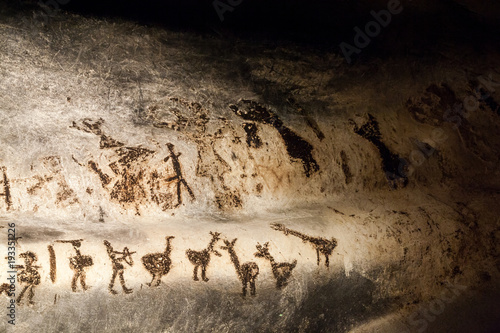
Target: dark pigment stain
{"x": 53, "y": 265}
{"x": 391, "y": 163}
{"x": 296, "y": 147}
{"x": 6, "y": 188}
{"x": 345, "y": 167}
{"x": 253, "y": 140}
{"x": 105, "y": 180}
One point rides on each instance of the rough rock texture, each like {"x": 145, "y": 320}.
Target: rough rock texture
{"x": 349, "y": 197}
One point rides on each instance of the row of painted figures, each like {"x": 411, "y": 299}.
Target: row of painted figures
{"x": 159, "y": 264}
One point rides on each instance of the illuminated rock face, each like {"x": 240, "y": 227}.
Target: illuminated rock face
{"x": 155, "y": 187}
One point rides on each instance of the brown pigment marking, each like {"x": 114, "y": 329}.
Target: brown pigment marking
{"x": 78, "y": 263}
{"x": 391, "y": 163}
{"x": 28, "y": 276}
{"x": 101, "y": 214}
{"x": 178, "y": 174}
{"x": 296, "y": 147}
{"x": 322, "y": 245}
{"x": 129, "y": 188}
{"x": 5, "y": 288}
{"x": 118, "y": 267}
{"x": 201, "y": 259}
{"x": 259, "y": 187}
{"x": 345, "y": 167}
{"x": 89, "y": 190}
{"x": 105, "y": 179}
{"x": 65, "y": 193}
{"x": 247, "y": 272}
{"x": 228, "y": 199}
{"x": 281, "y": 270}
{"x": 89, "y": 126}
{"x": 132, "y": 155}
{"x": 53, "y": 267}
{"x": 6, "y": 188}
{"x": 109, "y": 142}
{"x": 253, "y": 140}
{"x": 41, "y": 181}
{"x": 158, "y": 264}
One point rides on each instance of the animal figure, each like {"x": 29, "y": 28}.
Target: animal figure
{"x": 202, "y": 258}
{"x": 247, "y": 272}
{"x": 322, "y": 245}
{"x": 158, "y": 264}
{"x": 281, "y": 270}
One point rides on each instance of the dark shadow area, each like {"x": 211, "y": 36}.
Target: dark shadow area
{"x": 338, "y": 305}
{"x": 420, "y": 30}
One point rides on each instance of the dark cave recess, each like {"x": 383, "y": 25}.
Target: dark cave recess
{"x": 326, "y": 23}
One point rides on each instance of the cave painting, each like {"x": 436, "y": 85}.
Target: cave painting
{"x": 51, "y": 172}
{"x": 321, "y": 245}
{"x": 158, "y": 264}
{"x": 78, "y": 264}
{"x": 247, "y": 272}
{"x": 210, "y": 164}
{"x": 117, "y": 258}
{"x": 296, "y": 147}
{"x": 281, "y": 270}
{"x": 5, "y": 288}
{"x": 28, "y": 276}
{"x": 201, "y": 259}
{"x": 178, "y": 178}
{"x": 392, "y": 164}
{"x": 134, "y": 176}
{"x": 5, "y": 188}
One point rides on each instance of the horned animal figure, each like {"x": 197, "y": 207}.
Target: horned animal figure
{"x": 322, "y": 245}
{"x": 281, "y": 270}
{"x": 247, "y": 272}
{"x": 202, "y": 258}
{"x": 158, "y": 264}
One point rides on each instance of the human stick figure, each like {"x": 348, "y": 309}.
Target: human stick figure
{"x": 118, "y": 267}
{"x": 28, "y": 276}
{"x": 78, "y": 263}
{"x": 178, "y": 174}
